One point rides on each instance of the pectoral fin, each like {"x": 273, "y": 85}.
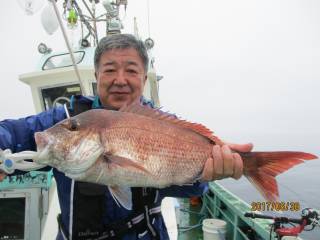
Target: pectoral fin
{"x": 122, "y": 196}
{"x": 113, "y": 160}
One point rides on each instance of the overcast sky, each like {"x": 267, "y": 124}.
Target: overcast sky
{"x": 249, "y": 70}
{"x": 243, "y": 68}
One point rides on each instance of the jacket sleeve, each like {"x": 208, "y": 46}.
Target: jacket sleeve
{"x": 18, "y": 135}
{"x": 196, "y": 189}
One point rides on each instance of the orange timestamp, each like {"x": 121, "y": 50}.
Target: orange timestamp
{"x": 275, "y": 206}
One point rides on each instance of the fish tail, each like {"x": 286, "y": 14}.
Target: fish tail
{"x": 261, "y": 168}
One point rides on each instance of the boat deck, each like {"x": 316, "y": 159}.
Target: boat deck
{"x": 221, "y": 204}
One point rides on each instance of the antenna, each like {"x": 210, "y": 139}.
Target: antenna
{"x": 114, "y": 24}
{"x": 83, "y": 89}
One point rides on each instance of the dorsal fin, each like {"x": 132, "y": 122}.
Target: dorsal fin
{"x": 147, "y": 111}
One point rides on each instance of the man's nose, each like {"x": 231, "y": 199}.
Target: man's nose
{"x": 120, "y": 78}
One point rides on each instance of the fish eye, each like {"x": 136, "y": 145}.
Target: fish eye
{"x": 73, "y": 125}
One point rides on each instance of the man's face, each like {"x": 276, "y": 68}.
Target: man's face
{"x": 120, "y": 77}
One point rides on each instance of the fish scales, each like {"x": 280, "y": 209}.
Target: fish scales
{"x": 165, "y": 151}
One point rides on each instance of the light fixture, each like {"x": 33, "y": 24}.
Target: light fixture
{"x": 30, "y": 7}
{"x": 84, "y": 43}
{"x": 49, "y": 19}
{"x": 43, "y": 49}
{"x": 72, "y": 19}
{"x": 149, "y": 43}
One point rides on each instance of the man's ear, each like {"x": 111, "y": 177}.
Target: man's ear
{"x": 145, "y": 79}
{"x": 95, "y": 74}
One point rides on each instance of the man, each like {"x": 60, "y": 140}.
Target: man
{"x": 88, "y": 211}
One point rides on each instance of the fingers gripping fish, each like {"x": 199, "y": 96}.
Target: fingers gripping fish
{"x": 143, "y": 147}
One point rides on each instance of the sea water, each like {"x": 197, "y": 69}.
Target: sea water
{"x": 299, "y": 184}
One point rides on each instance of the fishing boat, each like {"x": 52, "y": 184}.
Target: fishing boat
{"x": 28, "y": 201}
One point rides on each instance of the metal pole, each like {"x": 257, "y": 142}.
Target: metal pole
{"x": 83, "y": 90}
{"x": 93, "y": 13}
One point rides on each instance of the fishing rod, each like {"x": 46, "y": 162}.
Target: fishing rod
{"x": 309, "y": 217}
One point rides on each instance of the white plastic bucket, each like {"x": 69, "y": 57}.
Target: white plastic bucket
{"x": 214, "y": 229}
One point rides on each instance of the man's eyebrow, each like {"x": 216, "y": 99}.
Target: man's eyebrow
{"x": 129, "y": 62}
{"x": 109, "y": 63}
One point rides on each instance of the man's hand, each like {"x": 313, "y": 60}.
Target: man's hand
{"x": 225, "y": 163}
{"x": 2, "y": 158}
{"x": 2, "y": 175}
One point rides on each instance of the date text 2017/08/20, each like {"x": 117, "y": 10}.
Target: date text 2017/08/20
{"x": 275, "y": 206}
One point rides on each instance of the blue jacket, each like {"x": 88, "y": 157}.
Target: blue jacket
{"x": 18, "y": 135}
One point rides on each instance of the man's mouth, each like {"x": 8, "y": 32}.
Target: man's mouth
{"x": 119, "y": 92}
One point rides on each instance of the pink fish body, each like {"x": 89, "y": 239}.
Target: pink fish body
{"x": 140, "y": 146}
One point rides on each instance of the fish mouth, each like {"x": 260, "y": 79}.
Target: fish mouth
{"x": 43, "y": 156}
{"x": 43, "y": 143}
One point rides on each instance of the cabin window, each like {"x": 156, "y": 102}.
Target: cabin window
{"x": 62, "y": 60}
{"x": 94, "y": 88}
{"x": 12, "y": 218}
{"x": 59, "y": 95}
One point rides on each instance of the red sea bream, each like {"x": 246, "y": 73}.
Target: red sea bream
{"x": 140, "y": 146}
